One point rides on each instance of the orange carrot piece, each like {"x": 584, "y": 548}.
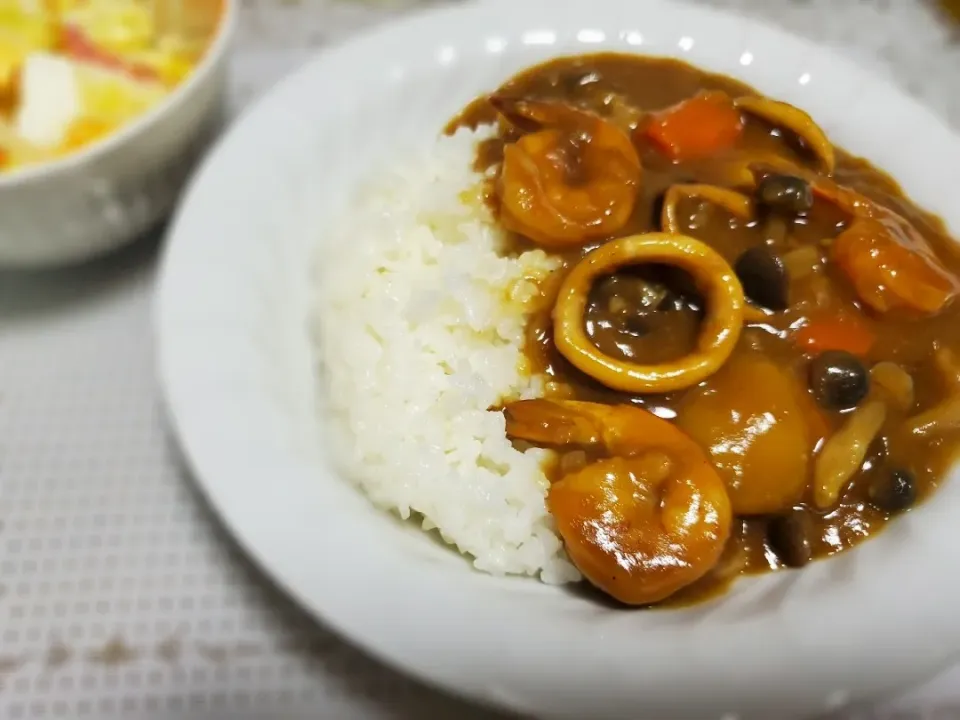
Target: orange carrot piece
{"x": 699, "y": 127}
{"x": 78, "y": 46}
{"x": 835, "y": 331}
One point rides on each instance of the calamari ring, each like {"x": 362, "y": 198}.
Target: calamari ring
{"x": 795, "y": 120}
{"x": 743, "y": 171}
{"x": 737, "y": 204}
{"x": 719, "y": 331}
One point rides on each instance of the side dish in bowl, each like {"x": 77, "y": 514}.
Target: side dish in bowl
{"x": 73, "y": 72}
{"x": 105, "y": 107}
{"x": 636, "y": 324}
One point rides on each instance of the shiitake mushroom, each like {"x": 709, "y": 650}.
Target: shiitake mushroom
{"x": 839, "y": 380}
{"x": 894, "y": 491}
{"x": 763, "y": 277}
{"x": 761, "y": 270}
{"x": 785, "y": 194}
{"x": 788, "y": 536}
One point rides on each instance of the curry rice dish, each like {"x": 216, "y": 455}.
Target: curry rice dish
{"x": 632, "y": 323}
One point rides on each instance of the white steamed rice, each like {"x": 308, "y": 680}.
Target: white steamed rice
{"x": 420, "y": 331}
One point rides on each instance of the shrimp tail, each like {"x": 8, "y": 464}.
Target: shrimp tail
{"x": 525, "y": 115}
{"x": 532, "y": 115}
{"x": 550, "y": 423}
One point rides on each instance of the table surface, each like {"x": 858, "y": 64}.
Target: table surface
{"x": 120, "y": 595}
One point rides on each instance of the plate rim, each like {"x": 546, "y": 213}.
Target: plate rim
{"x": 172, "y": 396}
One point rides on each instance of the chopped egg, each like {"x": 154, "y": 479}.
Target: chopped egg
{"x": 25, "y": 7}
{"x": 12, "y": 56}
{"x": 60, "y": 7}
{"x": 113, "y": 94}
{"x": 22, "y": 7}
{"x": 20, "y": 35}
{"x": 117, "y": 26}
{"x": 170, "y": 68}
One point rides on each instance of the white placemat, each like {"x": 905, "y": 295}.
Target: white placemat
{"x": 120, "y": 596}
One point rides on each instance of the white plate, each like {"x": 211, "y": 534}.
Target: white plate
{"x": 238, "y": 375}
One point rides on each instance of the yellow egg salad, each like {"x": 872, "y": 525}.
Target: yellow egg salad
{"x": 74, "y": 71}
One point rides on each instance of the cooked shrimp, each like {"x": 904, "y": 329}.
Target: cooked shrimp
{"x": 649, "y": 518}
{"x": 572, "y": 176}
{"x": 888, "y": 262}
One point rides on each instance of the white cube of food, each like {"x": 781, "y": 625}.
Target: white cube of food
{"x": 50, "y": 99}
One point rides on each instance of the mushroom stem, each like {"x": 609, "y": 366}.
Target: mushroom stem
{"x": 844, "y": 452}
{"x": 775, "y": 229}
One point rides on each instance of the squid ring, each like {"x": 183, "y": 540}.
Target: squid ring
{"x": 737, "y": 204}
{"x": 719, "y": 331}
{"x": 795, "y": 120}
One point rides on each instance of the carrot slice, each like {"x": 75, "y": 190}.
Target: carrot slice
{"x": 836, "y": 331}
{"x": 78, "y": 46}
{"x": 699, "y": 127}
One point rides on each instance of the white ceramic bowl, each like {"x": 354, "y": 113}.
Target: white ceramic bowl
{"x": 239, "y": 380}
{"x": 95, "y": 200}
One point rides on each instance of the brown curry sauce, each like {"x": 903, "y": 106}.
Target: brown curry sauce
{"x": 622, "y": 323}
